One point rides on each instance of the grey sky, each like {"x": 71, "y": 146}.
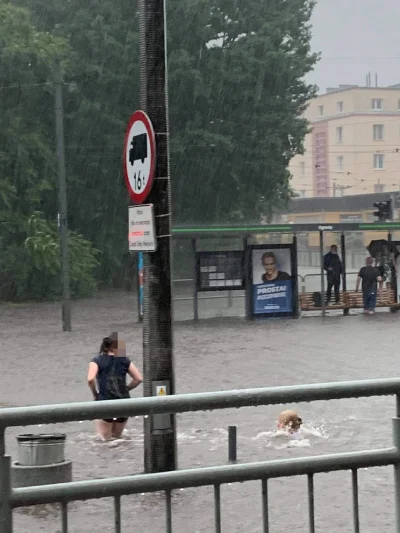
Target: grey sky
{"x": 356, "y": 36}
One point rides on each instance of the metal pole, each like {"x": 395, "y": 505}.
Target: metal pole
{"x": 160, "y": 447}
{"x": 230, "y": 300}
{"x": 232, "y": 443}
{"x": 394, "y": 277}
{"x": 5, "y": 494}
{"x": 311, "y": 503}
{"x": 295, "y": 274}
{"x": 264, "y": 485}
{"x": 321, "y": 258}
{"x": 217, "y": 506}
{"x": 247, "y": 278}
{"x": 396, "y": 443}
{"x": 344, "y": 283}
{"x": 62, "y": 194}
{"x": 195, "y": 294}
{"x": 140, "y": 279}
{"x": 356, "y": 509}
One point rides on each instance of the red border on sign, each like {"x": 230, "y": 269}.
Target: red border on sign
{"x": 142, "y": 116}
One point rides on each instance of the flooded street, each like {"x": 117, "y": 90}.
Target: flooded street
{"x": 41, "y": 365}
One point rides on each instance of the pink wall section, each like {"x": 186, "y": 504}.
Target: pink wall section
{"x": 320, "y": 143}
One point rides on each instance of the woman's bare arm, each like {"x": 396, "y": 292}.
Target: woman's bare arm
{"x": 91, "y": 378}
{"x": 136, "y": 377}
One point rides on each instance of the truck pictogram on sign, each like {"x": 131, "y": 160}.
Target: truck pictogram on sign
{"x": 138, "y": 150}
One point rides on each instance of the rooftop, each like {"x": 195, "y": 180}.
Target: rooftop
{"x": 343, "y": 203}
{"x": 342, "y": 88}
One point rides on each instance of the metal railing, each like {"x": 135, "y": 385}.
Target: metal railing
{"x": 231, "y": 295}
{"x": 12, "y": 498}
{"x": 303, "y": 279}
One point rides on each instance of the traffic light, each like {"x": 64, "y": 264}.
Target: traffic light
{"x": 384, "y": 212}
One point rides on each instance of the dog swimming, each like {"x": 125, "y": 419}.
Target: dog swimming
{"x": 291, "y": 422}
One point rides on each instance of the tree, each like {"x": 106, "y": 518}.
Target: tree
{"x": 101, "y": 92}
{"x": 237, "y": 95}
{"x": 27, "y": 154}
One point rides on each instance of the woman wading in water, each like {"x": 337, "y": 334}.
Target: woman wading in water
{"x": 107, "y": 381}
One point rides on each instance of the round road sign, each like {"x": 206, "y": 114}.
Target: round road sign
{"x": 139, "y": 157}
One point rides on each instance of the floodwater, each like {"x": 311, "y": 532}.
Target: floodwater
{"x": 40, "y": 365}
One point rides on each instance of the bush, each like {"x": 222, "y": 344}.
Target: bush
{"x": 31, "y": 270}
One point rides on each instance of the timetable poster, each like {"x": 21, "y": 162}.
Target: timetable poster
{"x": 220, "y": 271}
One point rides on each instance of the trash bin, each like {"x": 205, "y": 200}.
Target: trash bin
{"x": 41, "y": 449}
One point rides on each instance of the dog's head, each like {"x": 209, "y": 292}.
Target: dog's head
{"x": 290, "y": 420}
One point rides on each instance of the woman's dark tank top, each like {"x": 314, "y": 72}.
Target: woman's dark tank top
{"x": 111, "y": 377}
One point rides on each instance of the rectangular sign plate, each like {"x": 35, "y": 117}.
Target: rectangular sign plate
{"x": 142, "y": 233}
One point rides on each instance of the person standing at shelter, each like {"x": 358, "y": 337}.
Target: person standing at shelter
{"x": 334, "y": 269}
{"x": 370, "y": 276}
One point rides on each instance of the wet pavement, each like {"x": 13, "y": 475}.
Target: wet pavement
{"x": 40, "y": 364}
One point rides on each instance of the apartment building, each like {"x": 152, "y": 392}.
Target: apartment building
{"x": 354, "y": 143}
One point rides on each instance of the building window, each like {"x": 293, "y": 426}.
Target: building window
{"x": 339, "y": 107}
{"x": 379, "y": 160}
{"x": 378, "y": 132}
{"x": 377, "y": 104}
{"x": 321, "y": 110}
{"x": 302, "y": 169}
{"x": 339, "y": 163}
{"x": 339, "y": 134}
{"x": 379, "y": 187}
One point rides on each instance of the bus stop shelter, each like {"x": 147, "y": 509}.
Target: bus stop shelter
{"x": 286, "y": 235}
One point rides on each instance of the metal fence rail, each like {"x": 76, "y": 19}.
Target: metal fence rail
{"x": 214, "y": 476}
{"x": 182, "y": 403}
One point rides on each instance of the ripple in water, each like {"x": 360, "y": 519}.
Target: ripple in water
{"x": 215, "y": 438}
{"x": 280, "y": 438}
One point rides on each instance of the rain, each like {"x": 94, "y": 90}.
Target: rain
{"x": 244, "y": 233}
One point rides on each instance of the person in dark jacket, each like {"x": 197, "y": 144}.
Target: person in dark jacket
{"x": 334, "y": 270}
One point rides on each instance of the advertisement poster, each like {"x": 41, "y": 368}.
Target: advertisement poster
{"x": 272, "y": 280}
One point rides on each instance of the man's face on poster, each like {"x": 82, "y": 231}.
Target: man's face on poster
{"x": 269, "y": 264}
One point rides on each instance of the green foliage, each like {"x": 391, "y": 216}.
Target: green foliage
{"x": 43, "y": 247}
{"x": 31, "y": 270}
{"x": 237, "y": 93}
{"x": 102, "y": 92}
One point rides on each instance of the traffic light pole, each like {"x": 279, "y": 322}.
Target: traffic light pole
{"x": 160, "y": 447}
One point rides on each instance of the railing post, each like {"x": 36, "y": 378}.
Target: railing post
{"x": 232, "y": 444}
{"x": 5, "y": 490}
{"x": 321, "y": 258}
{"x": 194, "y": 287}
{"x": 396, "y": 443}
{"x": 230, "y": 300}
{"x": 344, "y": 274}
